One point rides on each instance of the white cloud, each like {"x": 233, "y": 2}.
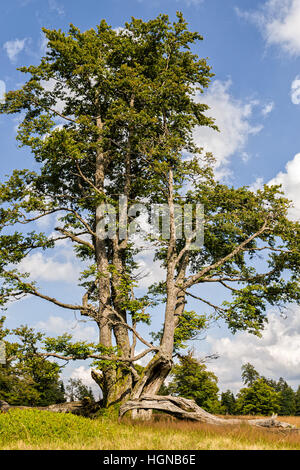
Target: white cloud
{"x": 290, "y": 181}
{"x": 245, "y": 157}
{"x": 79, "y": 329}
{"x": 84, "y": 375}
{"x": 43, "y": 44}
{"x": 232, "y": 116}
{"x": 56, "y": 7}
{"x": 2, "y": 91}
{"x": 268, "y": 108}
{"x": 13, "y": 48}
{"x": 149, "y": 271}
{"x": 258, "y": 184}
{"x": 295, "y": 90}
{"x": 276, "y": 354}
{"x": 119, "y": 29}
{"x": 49, "y": 269}
{"x": 49, "y": 86}
{"x": 279, "y": 22}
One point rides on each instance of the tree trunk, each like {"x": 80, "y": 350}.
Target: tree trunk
{"x": 114, "y": 381}
{"x": 152, "y": 378}
{"x": 117, "y": 389}
{"x": 187, "y": 409}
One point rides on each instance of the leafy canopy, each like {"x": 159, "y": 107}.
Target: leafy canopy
{"x": 108, "y": 113}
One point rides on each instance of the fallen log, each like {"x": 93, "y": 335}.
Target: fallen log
{"x": 74, "y": 407}
{"x": 184, "y": 408}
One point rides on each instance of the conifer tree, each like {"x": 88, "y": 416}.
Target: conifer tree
{"x": 228, "y": 402}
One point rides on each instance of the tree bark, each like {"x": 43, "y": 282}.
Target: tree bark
{"x": 115, "y": 382}
{"x": 159, "y": 367}
{"x": 184, "y": 408}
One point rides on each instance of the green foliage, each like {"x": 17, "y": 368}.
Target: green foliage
{"x": 287, "y": 396}
{"x": 233, "y": 216}
{"x": 249, "y": 374}
{"x": 190, "y": 326}
{"x": 63, "y": 344}
{"x": 27, "y": 378}
{"x": 64, "y": 348}
{"x": 297, "y": 402}
{"x": 136, "y": 82}
{"x": 261, "y": 390}
{"x": 287, "y": 400}
{"x": 190, "y": 379}
{"x": 259, "y": 398}
{"x": 111, "y": 413}
{"x": 228, "y": 403}
{"x": 38, "y": 425}
{"x": 76, "y": 390}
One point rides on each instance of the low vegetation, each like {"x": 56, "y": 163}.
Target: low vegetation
{"x": 36, "y": 429}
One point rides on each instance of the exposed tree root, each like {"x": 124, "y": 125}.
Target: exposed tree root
{"x": 187, "y": 409}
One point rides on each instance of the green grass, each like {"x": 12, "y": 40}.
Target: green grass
{"x": 37, "y": 429}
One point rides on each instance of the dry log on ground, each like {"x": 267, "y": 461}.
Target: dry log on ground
{"x": 74, "y": 407}
{"x": 184, "y": 408}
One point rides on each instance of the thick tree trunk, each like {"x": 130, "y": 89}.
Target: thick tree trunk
{"x": 187, "y": 409}
{"x": 115, "y": 382}
{"x": 118, "y": 389}
{"x": 152, "y": 378}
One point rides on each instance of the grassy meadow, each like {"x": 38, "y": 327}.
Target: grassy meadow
{"x": 44, "y": 430}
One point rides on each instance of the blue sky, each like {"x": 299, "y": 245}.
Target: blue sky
{"x": 254, "y": 50}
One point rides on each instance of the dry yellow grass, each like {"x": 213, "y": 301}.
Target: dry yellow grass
{"x": 295, "y": 420}
{"x": 32, "y": 430}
